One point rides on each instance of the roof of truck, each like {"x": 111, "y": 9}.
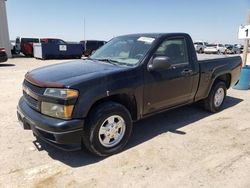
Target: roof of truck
{"x": 154, "y": 35}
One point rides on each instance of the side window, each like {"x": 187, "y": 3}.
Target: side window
{"x": 175, "y": 49}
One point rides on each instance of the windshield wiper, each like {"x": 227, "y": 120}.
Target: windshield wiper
{"x": 111, "y": 61}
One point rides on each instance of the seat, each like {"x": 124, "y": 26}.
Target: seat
{"x": 173, "y": 51}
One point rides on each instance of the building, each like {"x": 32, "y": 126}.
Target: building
{"x": 4, "y": 30}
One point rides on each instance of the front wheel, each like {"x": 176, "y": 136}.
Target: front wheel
{"x": 108, "y": 129}
{"x": 214, "y": 101}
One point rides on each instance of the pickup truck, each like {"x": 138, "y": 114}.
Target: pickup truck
{"x": 94, "y": 102}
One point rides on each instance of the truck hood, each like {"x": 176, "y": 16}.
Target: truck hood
{"x": 62, "y": 75}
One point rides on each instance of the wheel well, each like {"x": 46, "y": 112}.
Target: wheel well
{"x": 225, "y": 78}
{"x": 126, "y": 100}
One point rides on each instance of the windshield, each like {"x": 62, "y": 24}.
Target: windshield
{"x": 125, "y": 50}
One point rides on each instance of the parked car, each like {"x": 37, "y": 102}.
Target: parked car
{"x": 200, "y": 46}
{"x": 231, "y": 49}
{"x": 215, "y": 49}
{"x": 91, "y": 45}
{"x": 95, "y": 101}
{"x": 3, "y": 55}
{"x": 240, "y": 46}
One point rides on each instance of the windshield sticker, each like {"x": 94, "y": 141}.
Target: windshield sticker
{"x": 146, "y": 39}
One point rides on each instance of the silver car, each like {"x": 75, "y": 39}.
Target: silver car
{"x": 215, "y": 49}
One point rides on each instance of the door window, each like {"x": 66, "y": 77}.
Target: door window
{"x": 175, "y": 49}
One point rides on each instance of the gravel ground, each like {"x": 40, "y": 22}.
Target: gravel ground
{"x": 186, "y": 147}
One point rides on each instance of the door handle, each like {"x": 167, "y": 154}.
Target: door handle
{"x": 187, "y": 72}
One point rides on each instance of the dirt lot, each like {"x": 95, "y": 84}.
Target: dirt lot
{"x": 187, "y": 147}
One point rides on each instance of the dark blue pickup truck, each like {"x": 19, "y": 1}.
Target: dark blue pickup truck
{"x": 94, "y": 102}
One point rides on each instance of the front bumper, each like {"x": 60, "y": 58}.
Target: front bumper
{"x": 63, "y": 134}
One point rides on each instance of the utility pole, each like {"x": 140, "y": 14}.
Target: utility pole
{"x": 246, "y": 43}
{"x": 84, "y": 28}
{"x": 84, "y": 33}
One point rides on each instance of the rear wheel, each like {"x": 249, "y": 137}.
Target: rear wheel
{"x": 214, "y": 101}
{"x": 108, "y": 129}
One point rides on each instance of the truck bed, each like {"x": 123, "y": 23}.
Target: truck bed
{"x": 212, "y": 66}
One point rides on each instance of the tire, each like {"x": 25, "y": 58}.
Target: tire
{"x": 200, "y": 51}
{"x": 100, "y": 137}
{"x": 215, "y": 100}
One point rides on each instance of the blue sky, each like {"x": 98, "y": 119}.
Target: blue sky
{"x": 209, "y": 20}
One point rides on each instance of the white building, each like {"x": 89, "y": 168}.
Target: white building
{"x": 4, "y": 31}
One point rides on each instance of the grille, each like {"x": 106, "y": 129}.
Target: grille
{"x": 31, "y": 94}
{"x": 31, "y": 101}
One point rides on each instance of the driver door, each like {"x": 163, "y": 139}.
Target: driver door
{"x": 168, "y": 88}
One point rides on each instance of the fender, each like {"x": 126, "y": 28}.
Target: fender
{"x": 111, "y": 86}
{"x": 207, "y": 79}
{"x": 216, "y": 74}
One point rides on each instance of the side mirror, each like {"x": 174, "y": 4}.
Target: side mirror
{"x": 159, "y": 63}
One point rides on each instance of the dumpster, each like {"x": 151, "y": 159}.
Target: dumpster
{"x": 57, "y": 51}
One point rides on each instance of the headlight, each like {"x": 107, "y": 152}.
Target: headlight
{"x": 61, "y": 93}
{"x": 57, "y": 110}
